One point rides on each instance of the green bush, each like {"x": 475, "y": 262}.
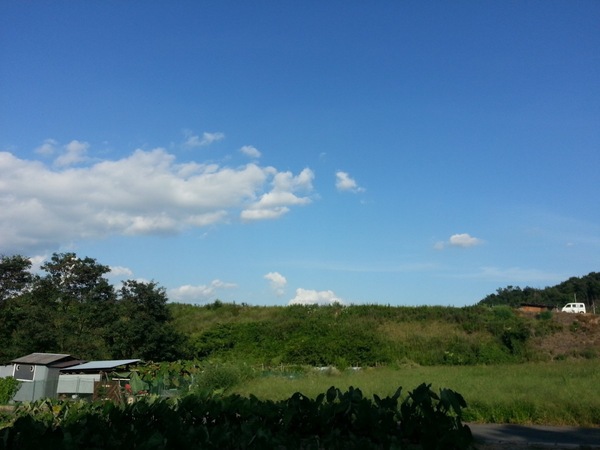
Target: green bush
{"x": 367, "y": 335}
{"x": 219, "y": 377}
{"x": 332, "y": 420}
{"x": 8, "y": 388}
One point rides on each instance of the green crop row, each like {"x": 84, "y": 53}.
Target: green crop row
{"x": 332, "y": 420}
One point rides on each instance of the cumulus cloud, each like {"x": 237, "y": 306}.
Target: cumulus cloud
{"x": 343, "y": 182}
{"x": 312, "y": 297}
{"x": 198, "y": 294}
{"x": 283, "y": 193}
{"x": 120, "y": 271}
{"x": 47, "y": 148}
{"x": 277, "y": 282}
{"x": 463, "y": 240}
{"x": 194, "y": 140}
{"x": 74, "y": 153}
{"x": 147, "y": 192}
{"x": 250, "y": 151}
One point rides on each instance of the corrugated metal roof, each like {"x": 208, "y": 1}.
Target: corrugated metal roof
{"x": 42, "y": 359}
{"x": 65, "y": 364}
{"x": 101, "y": 365}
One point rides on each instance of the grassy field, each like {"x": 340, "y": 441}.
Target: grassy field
{"x": 549, "y": 393}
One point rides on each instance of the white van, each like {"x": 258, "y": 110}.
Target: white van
{"x": 574, "y": 308}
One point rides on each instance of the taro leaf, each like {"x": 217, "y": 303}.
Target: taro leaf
{"x": 332, "y": 393}
{"x": 452, "y": 400}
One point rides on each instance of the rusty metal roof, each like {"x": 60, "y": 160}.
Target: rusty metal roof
{"x": 43, "y": 359}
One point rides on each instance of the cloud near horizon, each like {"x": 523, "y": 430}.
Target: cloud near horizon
{"x": 147, "y": 192}
{"x": 198, "y": 294}
{"x": 312, "y": 297}
{"x": 277, "y": 282}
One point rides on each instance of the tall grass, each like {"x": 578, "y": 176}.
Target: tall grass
{"x": 550, "y": 393}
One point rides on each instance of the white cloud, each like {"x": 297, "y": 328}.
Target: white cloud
{"x": 250, "y": 151}
{"x": 120, "y": 271}
{"x": 277, "y": 282}
{"x": 311, "y": 297}
{"x": 47, "y": 148}
{"x": 74, "y": 153}
{"x": 463, "y": 240}
{"x": 193, "y": 140}
{"x": 274, "y": 204}
{"x": 36, "y": 262}
{"x": 198, "y": 294}
{"x": 147, "y": 192}
{"x": 343, "y": 182}
{"x": 439, "y": 245}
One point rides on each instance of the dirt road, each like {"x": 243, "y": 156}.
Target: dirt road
{"x": 490, "y": 436}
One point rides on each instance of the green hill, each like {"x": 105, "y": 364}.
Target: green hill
{"x": 370, "y": 335}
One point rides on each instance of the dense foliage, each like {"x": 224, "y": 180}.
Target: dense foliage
{"x": 8, "y": 388}
{"x": 72, "y": 308}
{"x": 585, "y": 289}
{"x": 333, "y": 420}
{"x": 360, "y": 335}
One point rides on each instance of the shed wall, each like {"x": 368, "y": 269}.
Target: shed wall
{"x": 6, "y": 371}
{"x": 77, "y": 384}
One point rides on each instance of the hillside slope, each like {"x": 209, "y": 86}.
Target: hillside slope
{"x": 369, "y": 335}
{"x": 577, "y": 335}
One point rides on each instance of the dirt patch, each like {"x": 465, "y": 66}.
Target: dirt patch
{"x": 567, "y": 335}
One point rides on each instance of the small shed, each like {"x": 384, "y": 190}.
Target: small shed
{"x": 39, "y": 373}
{"x": 82, "y": 380}
{"x": 535, "y": 307}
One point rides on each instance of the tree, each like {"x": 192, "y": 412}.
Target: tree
{"x": 142, "y": 329}
{"x": 15, "y": 284}
{"x": 15, "y": 276}
{"x": 586, "y": 289}
{"x": 81, "y": 301}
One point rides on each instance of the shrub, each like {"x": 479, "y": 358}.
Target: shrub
{"x": 333, "y": 420}
{"x": 8, "y": 388}
{"x": 219, "y": 377}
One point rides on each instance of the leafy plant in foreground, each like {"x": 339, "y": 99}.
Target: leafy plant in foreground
{"x": 333, "y": 420}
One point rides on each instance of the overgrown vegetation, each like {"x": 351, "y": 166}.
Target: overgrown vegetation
{"x": 365, "y": 335}
{"x": 71, "y": 308}
{"x": 545, "y": 393}
{"x": 8, "y": 388}
{"x": 332, "y": 420}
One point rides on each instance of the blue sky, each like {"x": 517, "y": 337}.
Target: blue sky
{"x": 269, "y": 152}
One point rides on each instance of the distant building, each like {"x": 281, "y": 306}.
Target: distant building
{"x": 535, "y": 308}
{"x": 82, "y": 380}
{"x": 39, "y": 373}
{"x": 50, "y": 375}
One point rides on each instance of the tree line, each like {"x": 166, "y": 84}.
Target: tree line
{"x": 584, "y": 289}
{"x": 72, "y": 308}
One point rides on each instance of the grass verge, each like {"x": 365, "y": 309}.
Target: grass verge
{"x": 548, "y": 393}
